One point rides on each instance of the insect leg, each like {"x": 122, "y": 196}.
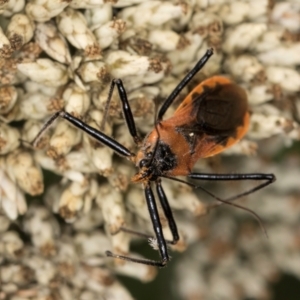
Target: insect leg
{"x": 125, "y": 107}
{"x": 268, "y": 178}
{"x": 183, "y": 83}
{"x": 45, "y": 127}
{"x": 167, "y": 211}
{"x": 168, "y": 214}
{"x": 96, "y": 134}
{"x": 162, "y": 246}
{"x": 140, "y": 234}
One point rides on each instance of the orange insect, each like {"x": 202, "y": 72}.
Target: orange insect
{"x": 213, "y": 117}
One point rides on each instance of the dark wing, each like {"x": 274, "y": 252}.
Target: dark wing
{"x": 216, "y": 116}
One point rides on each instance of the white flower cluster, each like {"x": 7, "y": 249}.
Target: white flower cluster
{"x": 62, "y": 55}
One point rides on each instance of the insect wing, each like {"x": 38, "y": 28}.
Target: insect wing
{"x": 213, "y": 117}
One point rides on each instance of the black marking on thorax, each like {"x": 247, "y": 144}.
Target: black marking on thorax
{"x": 164, "y": 159}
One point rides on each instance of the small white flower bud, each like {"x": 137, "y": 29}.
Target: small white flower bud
{"x": 234, "y": 13}
{"x": 89, "y": 243}
{"x": 11, "y": 244}
{"x": 94, "y": 71}
{"x": 44, "y": 10}
{"x": 72, "y": 199}
{"x": 8, "y": 98}
{"x": 203, "y": 23}
{"x": 112, "y": 205}
{"x": 73, "y": 26}
{"x": 188, "y": 8}
{"x": 4, "y": 222}
{"x": 26, "y": 172}
{"x": 9, "y": 74}
{"x": 287, "y": 14}
{"x": 90, "y": 195}
{"x": 99, "y": 15}
{"x": 3, "y": 6}
{"x": 45, "y": 71}
{"x": 14, "y": 273}
{"x": 63, "y": 139}
{"x": 244, "y": 68}
{"x": 257, "y": 10}
{"x": 78, "y": 162}
{"x": 245, "y": 147}
{"x": 122, "y": 64}
{"x": 44, "y": 269}
{"x": 32, "y": 105}
{"x": 100, "y": 156}
{"x": 91, "y": 220}
{"x": 68, "y": 200}
{"x": 288, "y": 79}
{"x": 154, "y": 13}
{"x": 46, "y": 162}
{"x": 34, "y": 87}
{"x": 19, "y": 31}
{"x": 165, "y": 40}
{"x": 53, "y": 194}
{"x": 5, "y": 47}
{"x": 43, "y": 228}
{"x": 264, "y": 126}
{"x": 269, "y": 40}
{"x": 12, "y": 199}
{"x": 258, "y": 94}
{"x": 237, "y": 12}
{"x": 102, "y": 160}
{"x": 15, "y": 113}
{"x": 283, "y": 56}
{"x": 243, "y": 37}
{"x": 125, "y": 3}
{"x": 77, "y": 101}
{"x": 86, "y": 3}
{"x": 35, "y": 105}
{"x": 52, "y": 42}
{"x": 120, "y": 178}
{"x": 9, "y": 138}
{"x": 107, "y": 33}
{"x": 118, "y": 291}
{"x": 70, "y": 166}
{"x": 13, "y": 7}
{"x": 181, "y": 60}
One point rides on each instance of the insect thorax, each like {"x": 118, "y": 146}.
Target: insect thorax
{"x": 155, "y": 162}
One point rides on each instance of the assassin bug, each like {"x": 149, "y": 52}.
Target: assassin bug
{"x": 210, "y": 119}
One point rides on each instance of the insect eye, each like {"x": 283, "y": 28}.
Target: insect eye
{"x": 143, "y": 163}
{"x": 149, "y": 154}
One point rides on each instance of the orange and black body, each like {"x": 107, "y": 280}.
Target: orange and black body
{"x": 210, "y": 119}
{"x": 213, "y": 117}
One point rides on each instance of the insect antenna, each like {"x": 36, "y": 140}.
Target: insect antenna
{"x": 227, "y": 201}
